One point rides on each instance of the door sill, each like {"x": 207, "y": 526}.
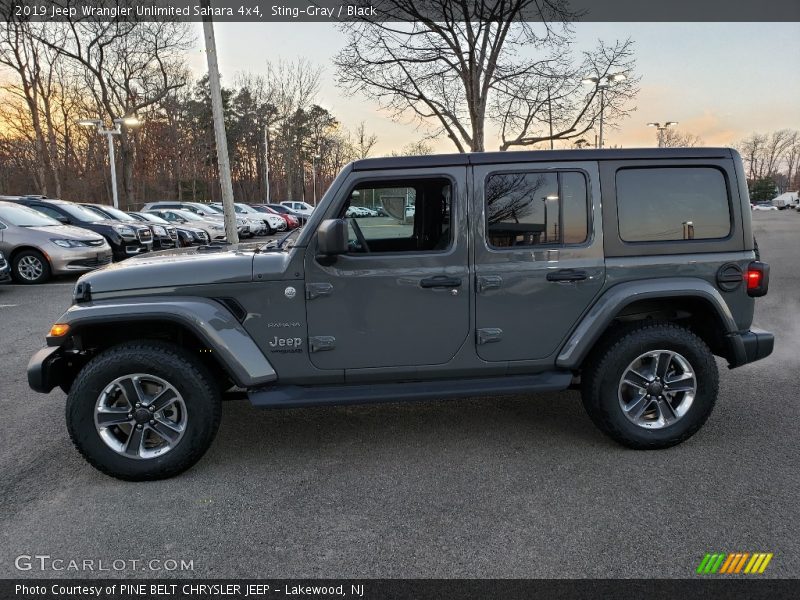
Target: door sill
{"x": 295, "y": 396}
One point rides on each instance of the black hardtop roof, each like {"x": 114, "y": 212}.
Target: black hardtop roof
{"x": 484, "y": 158}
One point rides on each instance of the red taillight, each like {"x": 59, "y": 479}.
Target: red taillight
{"x": 757, "y": 277}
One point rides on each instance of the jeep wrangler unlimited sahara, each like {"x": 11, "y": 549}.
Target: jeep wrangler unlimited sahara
{"x": 623, "y": 272}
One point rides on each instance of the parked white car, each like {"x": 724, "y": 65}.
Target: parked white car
{"x": 299, "y": 207}
{"x": 763, "y": 206}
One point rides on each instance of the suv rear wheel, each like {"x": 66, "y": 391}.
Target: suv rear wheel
{"x": 143, "y": 410}
{"x": 651, "y": 385}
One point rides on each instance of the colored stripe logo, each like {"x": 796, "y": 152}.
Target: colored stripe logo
{"x": 734, "y": 563}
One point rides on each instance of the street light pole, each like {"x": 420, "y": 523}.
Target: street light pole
{"x": 266, "y": 161}
{"x": 112, "y": 159}
{"x": 110, "y": 133}
{"x": 661, "y": 128}
{"x": 314, "y": 160}
{"x": 602, "y": 84}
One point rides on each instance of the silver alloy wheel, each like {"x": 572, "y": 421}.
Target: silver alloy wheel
{"x": 657, "y": 389}
{"x": 30, "y": 268}
{"x": 140, "y": 416}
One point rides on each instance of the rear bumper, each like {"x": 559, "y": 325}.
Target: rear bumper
{"x": 750, "y": 346}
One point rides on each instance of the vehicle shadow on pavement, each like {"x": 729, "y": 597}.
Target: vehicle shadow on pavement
{"x": 486, "y": 425}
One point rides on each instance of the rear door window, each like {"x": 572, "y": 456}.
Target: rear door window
{"x": 672, "y": 203}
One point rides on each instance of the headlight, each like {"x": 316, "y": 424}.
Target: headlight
{"x": 160, "y": 230}
{"x": 68, "y": 243}
{"x": 124, "y": 231}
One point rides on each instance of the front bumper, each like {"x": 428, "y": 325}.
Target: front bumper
{"x": 750, "y": 346}
{"x": 45, "y": 369}
{"x": 76, "y": 260}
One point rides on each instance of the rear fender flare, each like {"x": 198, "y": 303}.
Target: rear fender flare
{"x": 608, "y": 306}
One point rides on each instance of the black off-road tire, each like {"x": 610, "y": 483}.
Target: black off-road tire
{"x": 199, "y": 390}
{"x": 605, "y": 367}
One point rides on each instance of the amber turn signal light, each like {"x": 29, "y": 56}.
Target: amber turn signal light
{"x": 58, "y": 330}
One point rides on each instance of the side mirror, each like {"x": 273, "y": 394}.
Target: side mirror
{"x": 332, "y": 237}
{"x": 62, "y": 219}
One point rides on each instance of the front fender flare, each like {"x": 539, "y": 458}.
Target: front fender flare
{"x": 607, "y": 306}
{"x": 209, "y": 320}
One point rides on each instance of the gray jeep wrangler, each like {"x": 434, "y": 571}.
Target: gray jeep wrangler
{"x": 621, "y": 272}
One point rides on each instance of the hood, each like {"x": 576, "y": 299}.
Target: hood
{"x": 176, "y": 268}
{"x": 114, "y": 223}
{"x": 67, "y": 232}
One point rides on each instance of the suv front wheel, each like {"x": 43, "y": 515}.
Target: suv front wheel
{"x": 143, "y": 410}
{"x": 650, "y": 385}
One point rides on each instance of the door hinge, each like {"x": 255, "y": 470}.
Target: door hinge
{"x": 315, "y": 290}
{"x": 488, "y": 282}
{"x": 489, "y": 335}
{"x": 321, "y": 343}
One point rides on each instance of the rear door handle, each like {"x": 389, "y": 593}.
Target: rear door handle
{"x": 440, "y": 281}
{"x": 567, "y": 275}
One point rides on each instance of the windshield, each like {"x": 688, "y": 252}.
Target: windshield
{"x": 154, "y": 218}
{"x": 215, "y": 209}
{"x": 82, "y": 213}
{"x": 279, "y": 208}
{"x": 22, "y": 216}
{"x": 114, "y": 212}
{"x": 244, "y": 208}
{"x": 186, "y": 214}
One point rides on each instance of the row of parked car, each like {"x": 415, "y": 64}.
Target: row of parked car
{"x": 41, "y": 237}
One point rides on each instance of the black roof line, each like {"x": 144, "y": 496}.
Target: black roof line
{"x": 517, "y": 156}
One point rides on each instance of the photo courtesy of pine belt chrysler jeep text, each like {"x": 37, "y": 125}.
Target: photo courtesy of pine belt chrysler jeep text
{"x": 620, "y": 272}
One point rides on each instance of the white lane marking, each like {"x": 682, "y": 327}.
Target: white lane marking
{"x": 7, "y": 305}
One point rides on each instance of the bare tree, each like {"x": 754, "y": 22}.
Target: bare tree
{"x": 418, "y": 148}
{"x": 292, "y": 88}
{"x": 793, "y": 161}
{"x": 460, "y": 65}
{"x": 672, "y": 138}
{"x": 364, "y": 142}
{"x": 36, "y": 70}
{"x": 127, "y": 68}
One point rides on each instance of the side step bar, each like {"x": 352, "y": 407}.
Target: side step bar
{"x": 295, "y": 396}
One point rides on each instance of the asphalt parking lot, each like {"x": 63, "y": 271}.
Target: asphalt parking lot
{"x": 487, "y": 487}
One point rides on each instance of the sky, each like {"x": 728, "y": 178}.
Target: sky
{"x": 720, "y": 81}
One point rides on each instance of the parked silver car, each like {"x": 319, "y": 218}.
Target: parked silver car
{"x": 38, "y": 246}
{"x": 5, "y": 269}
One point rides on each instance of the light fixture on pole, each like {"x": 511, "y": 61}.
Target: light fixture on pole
{"x": 602, "y": 84}
{"x": 267, "y": 131}
{"x": 110, "y": 133}
{"x": 544, "y": 203}
{"x": 661, "y": 129}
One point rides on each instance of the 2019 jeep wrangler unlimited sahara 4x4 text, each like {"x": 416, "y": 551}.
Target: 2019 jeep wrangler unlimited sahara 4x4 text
{"x": 623, "y": 271}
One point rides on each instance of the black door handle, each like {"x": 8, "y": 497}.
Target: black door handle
{"x": 440, "y": 281}
{"x": 567, "y": 275}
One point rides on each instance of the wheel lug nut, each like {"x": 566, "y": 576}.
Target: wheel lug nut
{"x": 138, "y": 405}
{"x": 152, "y": 408}
{"x": 152, "y": 422}
{"x": 138, "y": 426}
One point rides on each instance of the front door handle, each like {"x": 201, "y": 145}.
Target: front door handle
{"x": 440, "y": 281}
{"x": 567, "y": 275}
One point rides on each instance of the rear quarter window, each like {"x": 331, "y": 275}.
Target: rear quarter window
{"x": 672, "y": 203}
